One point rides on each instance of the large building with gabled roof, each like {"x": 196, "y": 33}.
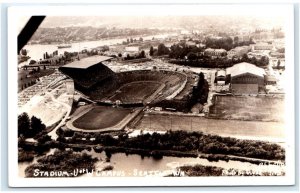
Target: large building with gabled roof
{"x": 245, "y": 78}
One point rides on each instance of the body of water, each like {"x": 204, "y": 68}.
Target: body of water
{"x": 136, "y": 166}
{"x": 36, "y": 51}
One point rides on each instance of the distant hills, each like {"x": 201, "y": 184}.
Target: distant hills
{"x": 186, "y": 22}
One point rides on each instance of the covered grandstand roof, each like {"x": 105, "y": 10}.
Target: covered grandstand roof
{"x": 86, "y": 62}
{"x": 243, "y": 68}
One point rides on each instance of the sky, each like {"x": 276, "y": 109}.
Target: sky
{"x": 186, "y": 22}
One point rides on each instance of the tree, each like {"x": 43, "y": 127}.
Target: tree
{"x": 32, "y": 62}
{"x": 24, "y": 52}
{"x": 151, "y": 51}
{"x": 36, "y": 125}
{"x": 278, "y": 63}
{"x": 131, "y": 40}
{"x": 192, "y": 56}
{"x": 264, "y": 61}
{"x": 142, "y": 54}
{"x": 201, "y": 79}
{"x": 245, "y": 58}
{"x": 236, "y": 40}
{"x": 21, "y": 140}
{"x": 162, "y": 50}
{"x": 43, "y": 139}
{"x": 253, "y": 61}
{"x": 23, "y": 124}
{"x": 141, "y": 39}
{"x": 108, "y": 154}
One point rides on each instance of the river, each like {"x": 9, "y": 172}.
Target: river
{"x": 36, "y": 51}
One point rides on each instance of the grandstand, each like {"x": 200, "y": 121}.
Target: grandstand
{"x": 88, "y": 71}
{"x": 101, "y": 84}
{"x": 119, "y": 95}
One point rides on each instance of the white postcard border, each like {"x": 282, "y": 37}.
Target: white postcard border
{"x": 14, "y": 13}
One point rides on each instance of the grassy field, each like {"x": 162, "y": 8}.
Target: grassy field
{"x": 233, "y": 128}
{"x": 135, "y": 91}
{"x": 101, "y": 117}
{"x": 247, "y": 108}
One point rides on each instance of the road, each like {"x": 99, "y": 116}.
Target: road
{"x": 53, "y": 134}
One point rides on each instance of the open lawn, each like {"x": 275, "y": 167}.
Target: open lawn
{"x": 247, "y": 108}
{"x": 135, "y": 91}
{"x": 101, "y": 117}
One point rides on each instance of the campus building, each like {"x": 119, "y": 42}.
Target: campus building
{"x": 262, "y": 46}
{"x": 238, "y": 51}
{"x": 215, "y": 52}
{"x": 245, "y": 78}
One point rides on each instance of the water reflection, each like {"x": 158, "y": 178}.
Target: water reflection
{"x": 136, "y": 166}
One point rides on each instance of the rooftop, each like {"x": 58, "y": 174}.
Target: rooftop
{"x": 243, "y": 68}
{"x": 215, "y": 50}
{"x": 86, "y": 62}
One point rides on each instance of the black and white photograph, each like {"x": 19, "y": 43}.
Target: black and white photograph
{"x": 122, "y": 95}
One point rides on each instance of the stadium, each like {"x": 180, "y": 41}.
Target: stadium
{"x": 119, "y": 97}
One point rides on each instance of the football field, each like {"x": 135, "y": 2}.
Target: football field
{"x": 135, "y": 92}
{"x": 101, "y": 117}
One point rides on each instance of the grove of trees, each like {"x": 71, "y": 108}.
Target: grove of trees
{"x": 29, "y": 127}
{"x": 65, "y": 162}
{"x": 140, "y": 55}
{"x": 226, "y": 43}
{"x": 206, "y": 62}
{"x": 184, "y": 141}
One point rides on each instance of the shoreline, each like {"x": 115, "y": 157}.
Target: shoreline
{"x": 102, "y": 39}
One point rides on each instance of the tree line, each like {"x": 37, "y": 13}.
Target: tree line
{"x": 183, "y": 141}
{"x": 226, "y": 43}
{"x": 207, "y": 62}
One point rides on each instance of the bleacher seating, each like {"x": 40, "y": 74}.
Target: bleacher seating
{"x": 99, "y": 82}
